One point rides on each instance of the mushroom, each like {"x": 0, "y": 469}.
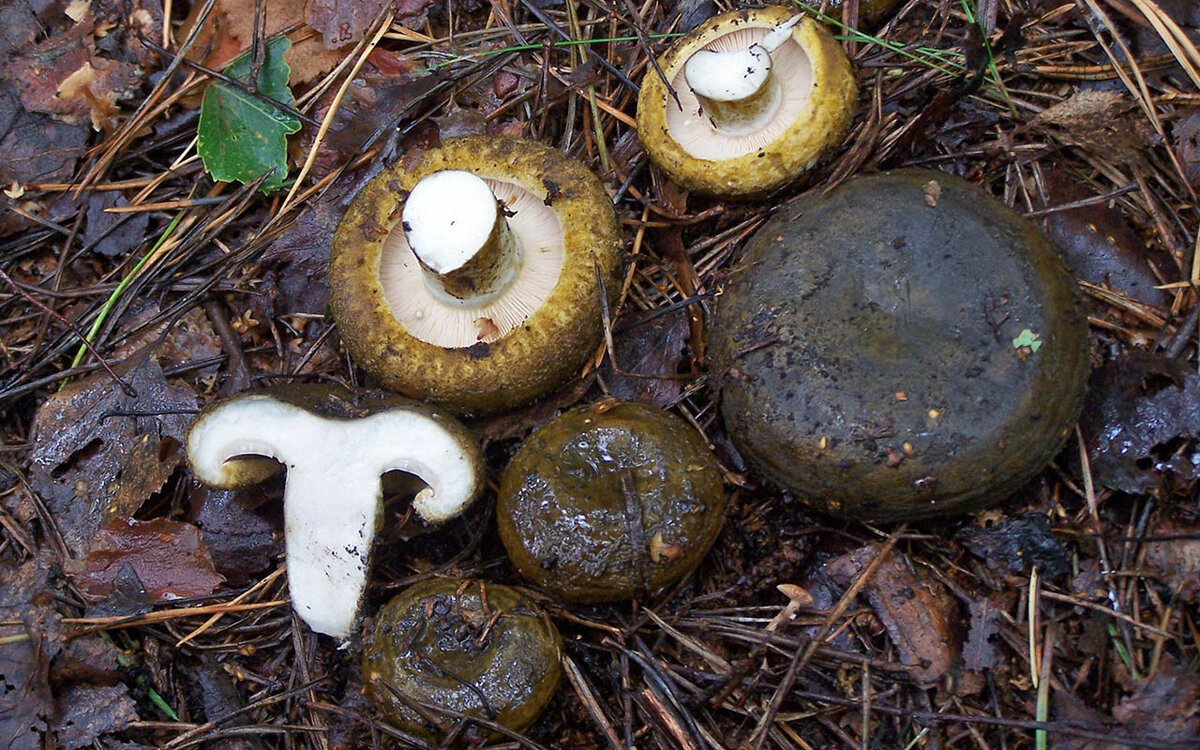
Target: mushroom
{"x": 610, "y": 501}
{"x": 902, "y": 347}
{"x": 469, "y": 274}
{"x": 334, "y": 445}
{"x": 746, "y": 102}
{"x": 466, "y": 646}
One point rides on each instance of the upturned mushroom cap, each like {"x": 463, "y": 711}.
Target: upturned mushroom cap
{"x": 803, "y": 108}
{"x": 335, "y": 445}
{"x": 484, "y": 336}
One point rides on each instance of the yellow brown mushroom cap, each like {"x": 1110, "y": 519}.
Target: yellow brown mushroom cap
{"x": 822, "y": 118}
{"x": 496, "y": 373}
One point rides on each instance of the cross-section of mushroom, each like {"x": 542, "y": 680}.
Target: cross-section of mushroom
{"x": 469, "y": 274}
{"x": 334, "y": 445}
{"x": 746, "y": 102}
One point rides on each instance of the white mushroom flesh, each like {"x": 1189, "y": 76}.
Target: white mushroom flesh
{"x": 333, "y": 489}
{"x": 448, "y": 217}
{"x": 786, "y": 78}
{"x": 434, "y": 319}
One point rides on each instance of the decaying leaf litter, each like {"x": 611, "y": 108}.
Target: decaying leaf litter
{"x": 1068, "y": 614}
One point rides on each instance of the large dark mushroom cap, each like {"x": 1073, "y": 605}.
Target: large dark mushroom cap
{"x": 503, "y": 368}
{"x": 902, "y": 347}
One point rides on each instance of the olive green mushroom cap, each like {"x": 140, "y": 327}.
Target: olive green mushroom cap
{"x": 500, "y": 351}
{"x": 902, "y": 347}
{"x": 610, "y": 501}
{"x": 805, "y": 109}
{"x": 451, "y": 644}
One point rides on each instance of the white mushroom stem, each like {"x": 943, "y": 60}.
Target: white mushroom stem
{"x": 333, "y": 491}
{"x": 736, "y": 87}
{"x": 458, "y": 233}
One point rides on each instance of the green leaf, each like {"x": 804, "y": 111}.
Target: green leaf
{"x": 241, "y": 136}
{"x": 1027, "y": 338}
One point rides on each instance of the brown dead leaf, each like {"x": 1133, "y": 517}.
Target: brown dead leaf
{"x": 35, "y": 147}
{"x": 85, "y": 712}
{"x": 916, "y": 610}
{"x": 244, "y": 540}
{"x": 1177, "y": 560}
{"x": 1187, "y": 145}
{"x": 167, "y": 556}
{"x": 25, "y": 701}
{"x": 1100, "y": 245}
{"x": 341, "y": 22}
{"x": 84, "y": 437}
{"x": 652, "y": 345}
{"x": 980, "y": 650}
{"x": 113, "y": 234}
{"x": 229, "y": 32}
{"x": 1097, "y": 121}
{"x": 64, "y": 76}
{"x": 1165, "y": 706}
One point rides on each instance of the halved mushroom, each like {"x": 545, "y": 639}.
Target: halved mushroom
{"x": 335, "y": 445}
{"x": 489, "y": 296}
{"x": 755, "y": 97}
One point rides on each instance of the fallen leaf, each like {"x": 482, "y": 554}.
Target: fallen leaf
{"x": 113, "y": 234}
{"x": 1099, "y": 244}
{"x": 244, "y": 540}
{"x": 34, "y": 147}
{"x": 916, "y": 610}
{"x": 1017, "y": 544}
{"x": 1097, "y": 121}
{"x": 1177, "y": 560}
{"x": 25, "y": 700}
{"x": 1165, "y": 706}
{"x": 86, "y": 712}
{"x": 229, "y": 32}
{"x": 341, "y": 22}
{"x": 296, "y": 263}
{"x": 64, "y": 76}
{"x": 653, "y": 345}
{"x": 1187, "y": 144}
{"x": 83, "y": 438}
{"x": 167, "y": 557}
{"x": 240, "y": 136}
{"x": 979, "y": 653}
{"x": 1137, "y": 406}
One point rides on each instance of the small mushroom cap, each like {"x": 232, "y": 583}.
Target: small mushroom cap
{"x": 818, "y": 95}
{"x": 479, "y": 359}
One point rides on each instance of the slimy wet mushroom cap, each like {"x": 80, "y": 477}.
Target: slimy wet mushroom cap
{"x": 902, "y": 347}
{"x": 469, "y": 274}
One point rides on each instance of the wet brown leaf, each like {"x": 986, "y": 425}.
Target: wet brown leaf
{"x": 243, "y": 540}
{"x": 979, "y": 653}
{"x": 1164, "y": 706}
{"x": 35, "y": 147}
{"x": 1138, "y": 405}
{"x": 167, "y": 556}
{"x": 85, "y": 435}
{"x": 1177, "y": 560}
{"x": 1187, "y": 145}
{"x": 25, "y": 701}
{"x": 113, "y": 234}
{"x": 1099, "y": 243}
{"x": 341, "y": 22}
{"x": 1097, "y": 121}
{"x": 1014, "y": 545}
{"x": 65, "y": 77}
{"x": 85, "y": 712}
{"x": 916, "y": 610}
{"x": 653, "y": 345}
